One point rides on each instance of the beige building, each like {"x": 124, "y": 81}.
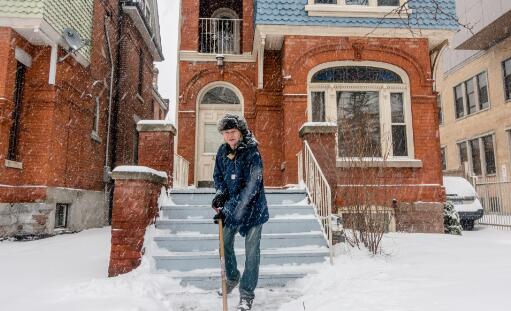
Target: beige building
{"x": 474, "y": 86}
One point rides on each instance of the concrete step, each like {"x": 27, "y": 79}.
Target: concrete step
{"x": 190, "y": 261}
{"x": 204, "y": 196}
{"x": 206, "y": 226}
{"x": 198, "y": 243}
{"x": 206, "y": 212}
{"x": 266, "y": 280}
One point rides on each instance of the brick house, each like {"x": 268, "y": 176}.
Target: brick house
{"x": 65, "y": 121}
{"x": 295, "y": 68}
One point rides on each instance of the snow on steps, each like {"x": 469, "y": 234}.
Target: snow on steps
{"x": 187, "y": 240}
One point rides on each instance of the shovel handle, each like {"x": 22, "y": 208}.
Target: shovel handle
{"x": 222, "y": 264}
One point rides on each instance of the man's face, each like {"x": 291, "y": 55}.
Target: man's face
{"x": 232, "y": 137}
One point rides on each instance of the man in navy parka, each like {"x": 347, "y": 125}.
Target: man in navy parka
{"x": 241, "y": 202}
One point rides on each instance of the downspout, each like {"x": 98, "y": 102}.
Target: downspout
{"x": 117, "y": 78}
{"x": 53, "y": 57}
{"x": 107, "y": 168}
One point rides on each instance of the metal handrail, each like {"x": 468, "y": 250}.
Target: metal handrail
{"x": 320, "y": 194}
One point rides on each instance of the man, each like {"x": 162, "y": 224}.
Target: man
{"x": 240, "y": 202}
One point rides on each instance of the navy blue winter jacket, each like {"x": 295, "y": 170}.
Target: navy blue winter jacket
{"x": 242, "y": 178}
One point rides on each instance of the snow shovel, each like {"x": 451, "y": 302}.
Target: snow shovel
{"x": 222, "y": 264}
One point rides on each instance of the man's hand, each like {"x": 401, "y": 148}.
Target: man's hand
{"x": 219, "y": 200}
{"x": 219, "y": 215}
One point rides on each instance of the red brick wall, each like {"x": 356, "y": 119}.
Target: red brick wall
{"x": 135, "y": 207}
{"x": 156, "y": 150}
{"x": 55, "y": 144}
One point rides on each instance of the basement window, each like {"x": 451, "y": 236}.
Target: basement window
{"x": 358, "y": 8}
{"x": 61, "y": 212}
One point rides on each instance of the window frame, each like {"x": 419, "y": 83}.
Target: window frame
{"x": 140, "y": 82}
{"x": 384, "y": 89}
{"x": 507, "y": 93}
{"x": 482, "y": 154}
{"x": 372, "y": 9}
{"x": 464, "y": 96}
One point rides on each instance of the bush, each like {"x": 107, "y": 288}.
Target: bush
{"x": 452, "y": 223}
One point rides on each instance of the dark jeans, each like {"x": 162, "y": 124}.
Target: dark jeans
{"x": 250, "y": 276}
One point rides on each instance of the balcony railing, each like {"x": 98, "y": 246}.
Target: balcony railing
{"x": 219, "y": 36}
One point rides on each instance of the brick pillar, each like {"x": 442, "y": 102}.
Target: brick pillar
{"x": 156, "y": 146}
{"x": 135, "y": 206}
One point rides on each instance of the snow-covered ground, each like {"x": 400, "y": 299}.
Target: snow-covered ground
{"x": 418, "y": 272}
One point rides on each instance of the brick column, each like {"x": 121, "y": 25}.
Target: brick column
{"x": 156, "y": 146}
{"x": 135, "y": 206}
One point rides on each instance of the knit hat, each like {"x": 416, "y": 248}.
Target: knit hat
{"x": 232, "y": 121}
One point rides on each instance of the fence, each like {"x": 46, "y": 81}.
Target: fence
{"x": 495, "y": 197}
{"x": 220, "y": 36}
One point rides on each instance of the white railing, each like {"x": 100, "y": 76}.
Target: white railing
{"x": 319, "y": 192}
{"x": 495, "y": 197}
{"x": 220, "y": 36}
{"x": 181, "y": 170}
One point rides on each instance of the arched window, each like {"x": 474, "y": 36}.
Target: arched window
{"x": 370, "y": 104}
{"x": 220, "y": 95}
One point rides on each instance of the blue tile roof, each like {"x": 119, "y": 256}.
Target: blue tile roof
{"x": 292, "y": 12}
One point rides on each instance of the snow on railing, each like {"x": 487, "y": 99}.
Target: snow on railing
{"x": 181, "y": 171}
{"x": 319, "y": 192}
{"x": 220, "y": 36}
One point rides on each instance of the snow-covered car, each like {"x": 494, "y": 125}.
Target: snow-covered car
{"x": 465, "y": 200}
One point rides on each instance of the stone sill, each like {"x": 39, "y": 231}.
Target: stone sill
{"x": 139, "y": 173}
{"x": 317, "y": 128}
{"x": 337, "y": 10}
{"x": 156, "y": 126}
{"x": 369, "y": 162}
{"x": 13, "y": 164}
{"x": 193, "y": 56}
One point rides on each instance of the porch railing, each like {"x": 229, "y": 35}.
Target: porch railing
{"x": 219, "y": 36}
{"x": 181, "y": 171}
{"x": 495, "y": 197}
{"x": 319, "y": 192}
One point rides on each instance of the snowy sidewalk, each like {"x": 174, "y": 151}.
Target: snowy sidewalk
{"x": 419, "y": 272}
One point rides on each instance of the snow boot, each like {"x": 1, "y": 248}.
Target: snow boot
{"x": 230, "y": 286}
{"x": 245, "y": 304}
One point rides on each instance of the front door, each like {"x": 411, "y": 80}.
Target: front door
{"x": 214, "y": 105}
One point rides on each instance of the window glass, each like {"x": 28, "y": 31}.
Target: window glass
{"x": 482, "y": 90}
{"x": 471, "y": 99}
{"x": 439, "y": 109}
{"x": 318, "y": 106}
{"x": 476, "y": 156}
{"x": 489, "y": 155}
{"x": 358, "y": 124}
{"x": 357, "y": 2}
{"x": 388, "y": 2}
{"x": 220, "y": 95}
{"x": 507, "y": 78}
{"x": 444, "y": 163}
{"x": 399, "y": 145}
{"x": 356, "y": 74}
{"x": 462, "y": 148}
{"x": 212, "y": 138}
{"x": 396, "y": 103}
{"x": 458, "y": 98}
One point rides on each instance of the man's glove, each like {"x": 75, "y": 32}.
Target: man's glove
{"x": 220, "y": 199}
{"x": 219, "y": 215}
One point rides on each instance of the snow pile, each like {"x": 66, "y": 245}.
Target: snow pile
{"x": 419, "y": 272}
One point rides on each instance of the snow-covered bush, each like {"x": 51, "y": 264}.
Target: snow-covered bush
{"x": 452, "y": 223}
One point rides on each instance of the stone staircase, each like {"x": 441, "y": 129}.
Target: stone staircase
{"x": 187, "y": 240}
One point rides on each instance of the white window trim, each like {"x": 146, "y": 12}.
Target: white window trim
{"x": 371, "y": 10}
{"x": 476, "y": 95}
{"x": 482, "y": 155}
{"x": 384, "y": 90}
{"x": 23, "y": 57}
{"x": 214, "y": 84}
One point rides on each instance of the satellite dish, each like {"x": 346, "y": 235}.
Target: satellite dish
{"x": 73, "y": 40}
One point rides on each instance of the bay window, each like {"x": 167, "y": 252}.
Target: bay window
{"x": 479, "y": 152}
{"x": 371, "y": 107}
